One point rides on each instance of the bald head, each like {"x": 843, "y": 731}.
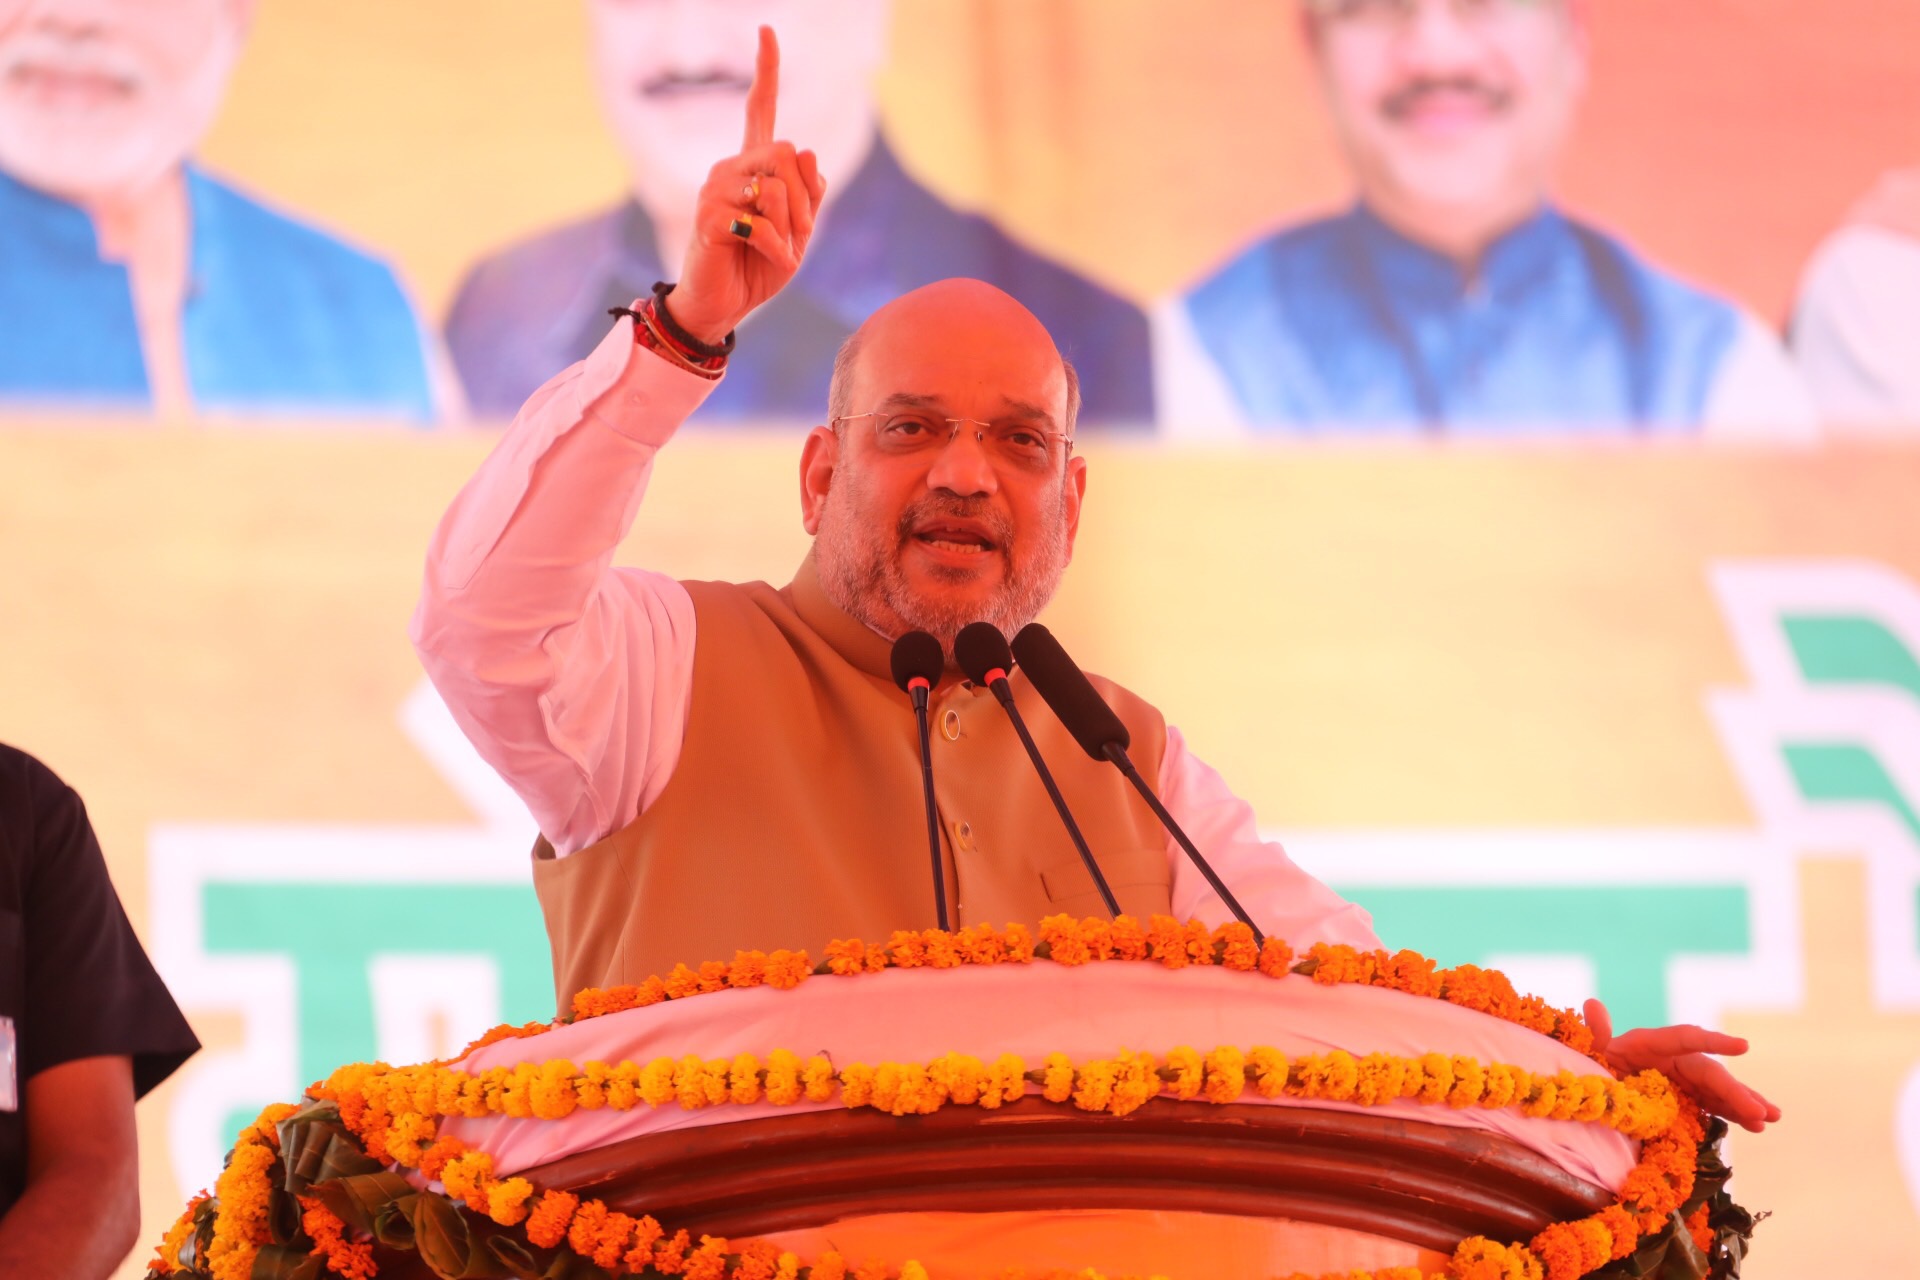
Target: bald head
{"x": 953, "y": 329}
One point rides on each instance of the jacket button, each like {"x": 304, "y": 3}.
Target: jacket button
{"x": 963, "y": 836}
{"x": 950, "y": 725}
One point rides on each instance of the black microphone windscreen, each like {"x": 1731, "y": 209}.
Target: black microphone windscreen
{"x": 1067, "y": 690}
{"x": 980, "y": 648}
{"x": 917, "y": 654}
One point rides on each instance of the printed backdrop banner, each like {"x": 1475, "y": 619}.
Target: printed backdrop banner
{"x": 1640, "y": 723}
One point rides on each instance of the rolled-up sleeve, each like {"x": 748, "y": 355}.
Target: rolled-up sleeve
{"x": 569, "y": 676}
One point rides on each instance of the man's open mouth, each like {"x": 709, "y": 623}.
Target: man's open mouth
{"x": 958, "y": 538}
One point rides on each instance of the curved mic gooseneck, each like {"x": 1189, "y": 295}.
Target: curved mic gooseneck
{"x": 918, "y": 665}
{"x": 1103, "y": 735}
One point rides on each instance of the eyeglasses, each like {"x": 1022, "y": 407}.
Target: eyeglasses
{"x": 1400, "y": 12}
{"x": 1014, "y": 446}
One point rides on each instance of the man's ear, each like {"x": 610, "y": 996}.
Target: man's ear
{"x": 818, "y": 457}
{"x": 1076, "y": 493}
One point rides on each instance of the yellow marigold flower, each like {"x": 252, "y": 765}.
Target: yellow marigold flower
{"x": 1593, "y": 1099}
{"x": 788, "y": 1267}
{"x": 1542, "y": 1097}
{"x": 856, "y": 1085}
{"x": 819, "y": 1079}
{"x": 1269, "y": 1068}
{"x": 1093, "y": 1089}
{"x": 1437, "y": 1069}
{"x": 715, "y": 1083}
{"x": 911, "y": 1270}
{"x": 846, "y": 956}
{"x": 749, "y": 969}
{"x": 788, "y": 969}
{"x": 1469, "y": 1082}
{"x": 1137, "y": 1083}
{"x": 507, "y": 1201}
{"x": 743, "y": 1080}
{"x": 465, "y": 1176}
{"x": 1057, "y": 1086}
{"x": 1570, "y": 1095}
{"x": 1226, "y": 1069}
{"x": 886, "y": 1087}
{"x": 960, "y": 1075}
{"x": 1128, "y": 938}
{"x": 1342, "y": 1077}
{"x": 783, "y": 1078}
{"x": 1189, "y": 1073}
{"x": 1007, "y": 1081}
{"x": 516, "y": 1098}
{"x": 1019, "y": 944}
{"x": 829, "y": 1266}
{"x": 658, "y": 1083}
{"x": 1500, "y": 1088}
{"x": 551, "y": 1095}
{"x": 1380, "y": 1077}
{"x": 240, "y": 1220}
{"x": 590, "y": 1086}
{"x": 689, "y": 1083}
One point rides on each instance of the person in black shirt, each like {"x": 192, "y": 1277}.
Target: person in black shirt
{"x": 86, "y": 1027}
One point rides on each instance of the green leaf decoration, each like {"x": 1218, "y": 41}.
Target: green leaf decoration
{"x": 283, "y": 1262}
{"x": 316, "y": 1147}
{"x": 357, "y": 1200}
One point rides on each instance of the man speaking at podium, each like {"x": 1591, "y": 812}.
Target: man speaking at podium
{"x": 718, "y": 766}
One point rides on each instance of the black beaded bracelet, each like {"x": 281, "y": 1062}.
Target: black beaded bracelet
{"x": 707, "y": 350}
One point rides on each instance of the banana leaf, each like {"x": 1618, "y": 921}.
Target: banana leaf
{"x": 283, "y": 1218}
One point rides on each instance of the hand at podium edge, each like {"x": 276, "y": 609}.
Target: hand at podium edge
{"x": 769, "y": 189}
{"x": 1684, "y": 1055}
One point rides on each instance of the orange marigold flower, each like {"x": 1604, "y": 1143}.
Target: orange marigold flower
{"x": 829, "y": 1266}
{"x": 982, "y": 944}
{"x": 610, "y": 1246}
{"x": 788, "y": 969}
{"x": 749, "y": 969}
{"x": 943, "y": 949}
{"x": 1007, "y": 1078}
{"x": 1411, "y": 972}
{"x": 709, "y": 1261}
{"x": 507, "y": 1201}
{"x": 1335, "y": 963}
{"x": 583, "y": 1233}
{"x": 1621, "y": 1229}
{"x": 682, "y": 982}
{"x": 1276, "y": 958}
{"x": 713, "y": 976}
{"x": 547, "y": 1224}
{"x": 1698, "y": 1228}
{"x": 1061, "y": 933}
{"x": 1096, "y": 933}
{"x": 1380, "y": 1078}
{"x": 1469, "y": 1082}
{"x": 1167, "y": 941}
{"x": 1128, "y": 938}
{"x": 907, "y": 949}
{"x": 1093, "y": 1086}
{"x": 1238, "y": 950}
{"x": 646, "y": 1233}
{"x": 656, "y": 1085}
{"x": 856, "y": 1085}
{"x": 1137, "y": 1083}
{"x": 670, "y": 1255}
{"x": 846, "y": 956}
{"x": 1019, "y": 944}
{"x": 435, "y": 1157}
{"x": 1200, "y": 943}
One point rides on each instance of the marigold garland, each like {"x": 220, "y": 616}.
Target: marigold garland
{"x": 1064, "y": 940}
{"x": 394, "y": 1112}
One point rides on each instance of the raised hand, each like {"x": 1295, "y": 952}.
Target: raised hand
{"x": 1681, "y": 1054}
{"x": 753, "y": 219}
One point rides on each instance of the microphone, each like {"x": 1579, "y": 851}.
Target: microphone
{"x": 918, "y": 665}
{"x": 983, "y": 655}
{"x": 1101, "y": 734}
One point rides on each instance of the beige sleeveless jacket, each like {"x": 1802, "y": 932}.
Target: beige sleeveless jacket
{"x": 794, "y": 815}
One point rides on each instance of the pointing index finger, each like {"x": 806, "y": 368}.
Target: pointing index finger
{"x": 765, "y": 93}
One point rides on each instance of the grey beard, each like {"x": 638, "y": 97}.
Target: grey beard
{"x": 863, "y": 576}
